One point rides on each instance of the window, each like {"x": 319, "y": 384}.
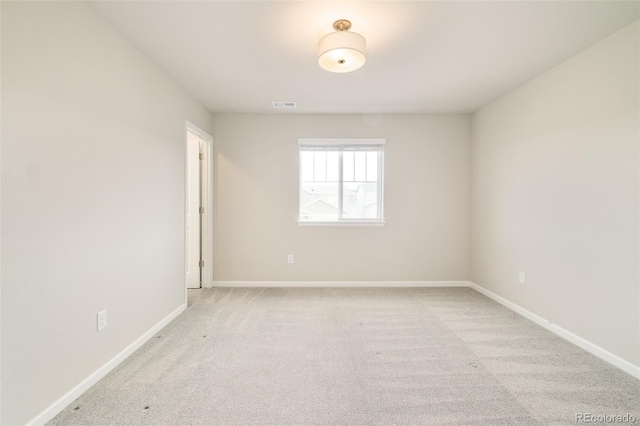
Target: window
{"x": 341, "y": 181}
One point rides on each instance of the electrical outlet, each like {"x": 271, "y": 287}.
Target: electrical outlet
{"x": 290, "y": 258}
{"x": 102, "y": 319}
{"x": 521, "y": 277}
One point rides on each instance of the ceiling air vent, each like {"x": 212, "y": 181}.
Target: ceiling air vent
{"x": 283, "y": 104}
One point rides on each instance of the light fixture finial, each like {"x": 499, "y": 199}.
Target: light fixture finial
{"x": 342, "y": 25}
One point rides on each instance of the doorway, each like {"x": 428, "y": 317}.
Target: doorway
{"x": 198, "y": 235}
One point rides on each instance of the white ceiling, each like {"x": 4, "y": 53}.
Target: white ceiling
{"x": 422, "y": 56}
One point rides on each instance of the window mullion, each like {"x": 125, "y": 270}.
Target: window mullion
{"x": 300, "y": 184}
{"x": 340, "y": 184}
{"x": 380, "y": 180}
{"x": 326, "y": 166}
{"x": 366, "y": 159}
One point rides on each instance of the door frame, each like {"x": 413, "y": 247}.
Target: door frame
{"x": 206, "y": 201}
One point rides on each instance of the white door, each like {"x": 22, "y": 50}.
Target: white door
{"x": 193, "y": 211}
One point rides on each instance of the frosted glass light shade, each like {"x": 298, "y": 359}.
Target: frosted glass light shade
{"x": 342, "y": 51}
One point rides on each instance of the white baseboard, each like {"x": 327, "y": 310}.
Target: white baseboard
{"x": 74, "y": 393}
{"x": 596, "y": 350}
{"x": 337, "y": 284}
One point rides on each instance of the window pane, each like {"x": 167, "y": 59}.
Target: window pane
{"x": 360, "y": 200}
{"x": 319, "y": 166}
{"x": 319, "y": 201}
{"x": 332, "y": 166}
{"x": 306, "y": 165}
{"x": 360, "y": 171}
{"x": 347, "y": 166}
{"x": 372, "y": 166}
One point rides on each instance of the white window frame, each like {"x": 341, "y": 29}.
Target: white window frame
{"x": 341, "y": 143}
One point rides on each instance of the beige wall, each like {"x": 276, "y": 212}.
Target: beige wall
{"x": 426, "y": 201}
{"x": 92, "y": 198}
{"x": 555, "y": 194}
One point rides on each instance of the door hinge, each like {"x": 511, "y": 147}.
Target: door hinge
{"x": 201, "y": 210}
{"x": 201, "y": 156}
{"x": 202, "y": 263}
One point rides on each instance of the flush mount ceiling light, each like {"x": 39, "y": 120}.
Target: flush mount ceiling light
{"x": 342, "y": 51}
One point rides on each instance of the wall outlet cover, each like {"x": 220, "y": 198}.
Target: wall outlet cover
{"x": 102, "y": 319}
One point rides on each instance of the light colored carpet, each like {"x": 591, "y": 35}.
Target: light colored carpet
{"x": 366, "y": 356}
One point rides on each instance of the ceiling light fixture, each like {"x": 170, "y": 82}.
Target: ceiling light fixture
{"x": 342, "y": 51}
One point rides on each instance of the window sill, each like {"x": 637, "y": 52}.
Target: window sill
{"x": 342, "y": 223}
